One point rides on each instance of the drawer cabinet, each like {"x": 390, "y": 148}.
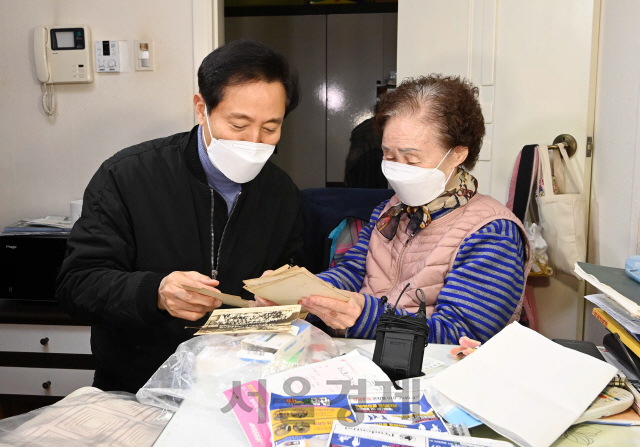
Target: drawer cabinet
{"x": 43, "y": 381}
{"x": 44, "y": 360}
{"x": 45, "y": 339}
{"x": 44, "y": 355}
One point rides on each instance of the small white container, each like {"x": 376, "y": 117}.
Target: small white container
{"x": 76, "y": 210}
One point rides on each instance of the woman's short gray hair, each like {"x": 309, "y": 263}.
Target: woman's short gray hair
{"x": 447, "y": 103}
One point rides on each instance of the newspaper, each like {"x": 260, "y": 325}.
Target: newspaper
{"x": 29, "y": 228}
{"x": 63, "y": 222}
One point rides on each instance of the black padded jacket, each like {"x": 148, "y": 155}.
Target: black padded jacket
{"x": 147, "y": 212}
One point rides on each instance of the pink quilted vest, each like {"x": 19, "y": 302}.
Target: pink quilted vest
{"x": 425, "y": 260}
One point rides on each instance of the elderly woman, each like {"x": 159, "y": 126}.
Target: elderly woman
{"x": 464, "y": 250}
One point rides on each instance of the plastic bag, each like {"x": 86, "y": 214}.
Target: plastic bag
{"x": 540, "y": 259}
{"x": 212, "y": 362}
{"x": 87, "y": 417}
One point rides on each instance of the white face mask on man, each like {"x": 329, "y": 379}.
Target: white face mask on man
{"x": 239, "y": 161}
{"x": 415, "y": 186}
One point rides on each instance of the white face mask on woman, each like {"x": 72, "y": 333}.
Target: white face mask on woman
{"x": 414, "y": 185}
{"x": 239, "y": 161}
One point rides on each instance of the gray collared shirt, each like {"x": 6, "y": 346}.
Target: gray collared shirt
{"x": 227, "y": 188}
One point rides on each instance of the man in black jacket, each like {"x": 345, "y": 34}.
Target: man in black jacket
{"x": 203, "y": 208}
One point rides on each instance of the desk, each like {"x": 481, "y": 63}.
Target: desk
{"x": 192, "y": 425}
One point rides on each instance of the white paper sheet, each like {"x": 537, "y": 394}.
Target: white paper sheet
{"x": 350, "y": 368}
{"x": 525, "y": 386}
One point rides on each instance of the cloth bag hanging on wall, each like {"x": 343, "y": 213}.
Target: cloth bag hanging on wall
{"x": 562, "y": 213}
{"x": 522, "y": 193}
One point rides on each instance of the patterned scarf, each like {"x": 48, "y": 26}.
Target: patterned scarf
{"x": 465, "y": 187}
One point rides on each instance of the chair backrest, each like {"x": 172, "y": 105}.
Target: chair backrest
{"x": 324, "y": 208}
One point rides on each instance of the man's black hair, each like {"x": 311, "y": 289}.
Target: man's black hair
{"x": 243, "y": 61}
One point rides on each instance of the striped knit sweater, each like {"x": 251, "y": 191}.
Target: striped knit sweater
{"x": 485, "y": 283}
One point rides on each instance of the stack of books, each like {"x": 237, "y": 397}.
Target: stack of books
{"x": 618, "y": 309}
{"x": 50, "y": 226}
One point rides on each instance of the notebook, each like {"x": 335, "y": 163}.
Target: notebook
{"x": 629, "y": 340}
{"x": 614, "y": 348}
{"x": 524, "y": 386}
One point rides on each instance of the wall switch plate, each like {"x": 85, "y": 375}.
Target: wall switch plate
{"x": 107, "y": 56}
{"x": 117, "y": 59}
{"x": 143, "y": 55}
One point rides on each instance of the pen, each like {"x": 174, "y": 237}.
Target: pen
{"x": 624, "y": 349}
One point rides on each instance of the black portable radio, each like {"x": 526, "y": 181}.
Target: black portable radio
{"x": 401, "y": 340}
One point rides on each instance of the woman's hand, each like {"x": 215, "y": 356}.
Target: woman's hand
{"x": 336, "y": 314}
{"x": 259, "y": 301}
{"x": 467, "y": 347}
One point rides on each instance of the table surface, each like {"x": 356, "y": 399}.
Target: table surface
{"x": 191, "y": 425}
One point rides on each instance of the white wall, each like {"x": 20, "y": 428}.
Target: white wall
{"x": 47, "y": 162}
{"x": 615, "y": 194}
{"x": 541, "y": 56}
{"x": 616, "y": 162}
{"x": 543, "y": 81}
{"x": 441, "y": 36}
{"x": 542, "y": 62}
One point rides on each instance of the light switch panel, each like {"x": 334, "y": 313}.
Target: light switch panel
{"x": 144, "y": 57}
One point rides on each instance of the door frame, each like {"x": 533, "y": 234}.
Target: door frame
{"x": 208, "y": 33}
